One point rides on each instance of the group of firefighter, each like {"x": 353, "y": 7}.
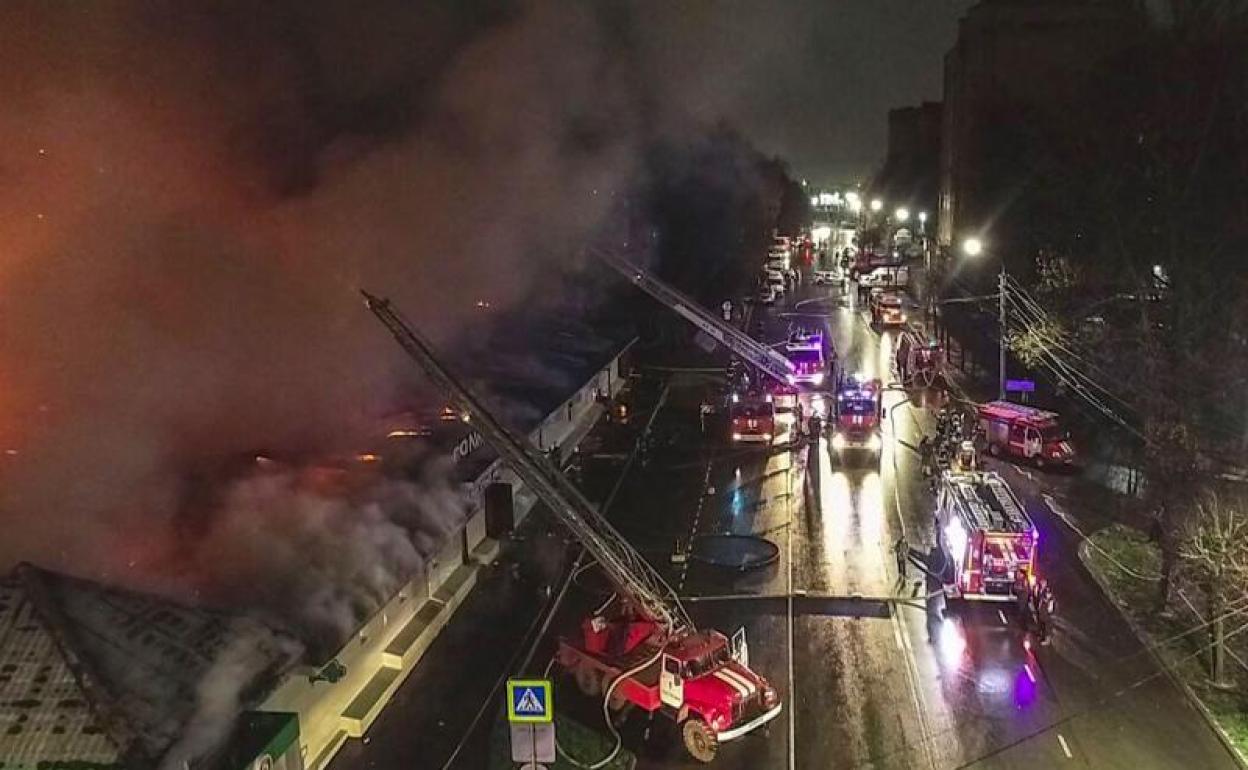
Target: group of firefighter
{"x": 953, "y": 447}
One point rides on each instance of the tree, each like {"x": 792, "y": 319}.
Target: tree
{"x": 1215, "y": 546}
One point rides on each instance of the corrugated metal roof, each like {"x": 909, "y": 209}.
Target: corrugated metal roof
{"x": 95, "y": 674}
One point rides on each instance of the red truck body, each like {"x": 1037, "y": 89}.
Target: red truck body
{"x": 857, "y": 412}
{"x": 752, "y": 417}
{"x": 1025, "y": 432}
{"x": 693, "y": 678}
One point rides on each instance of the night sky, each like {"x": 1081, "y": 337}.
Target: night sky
{"x": 816, "y": 78}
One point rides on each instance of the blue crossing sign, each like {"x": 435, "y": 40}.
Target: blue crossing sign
{"x": 529, "y": 701}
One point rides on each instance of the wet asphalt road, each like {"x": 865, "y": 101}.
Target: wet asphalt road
{"x": 871, "y": 677}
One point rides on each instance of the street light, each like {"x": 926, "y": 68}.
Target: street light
{"x": 877, "y": 204}
{"x": 855, "y": 204}
{"x": 973, "y": 247}
{"x": 902, "y": 214}
{"x": 922, "y": 217}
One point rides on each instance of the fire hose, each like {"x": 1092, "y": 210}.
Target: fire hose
{"x": 606, "y": 711}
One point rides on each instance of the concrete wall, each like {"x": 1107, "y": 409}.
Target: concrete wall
{"x": 382, "y": 652}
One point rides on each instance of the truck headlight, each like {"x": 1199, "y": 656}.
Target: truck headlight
{"x": 736, "y": 437}
{"x": 770, "y": 696}
{"x": 874, "y": 443}
{"x": 818, "y": 378}
{"x": 838, "y": 441}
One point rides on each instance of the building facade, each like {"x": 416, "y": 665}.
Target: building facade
{"x": 910, "y": 175}
{"x": 1009, "y": 55}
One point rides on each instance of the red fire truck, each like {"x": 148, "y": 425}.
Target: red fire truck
{"x": 700, "y": 679}
{"x": 887, "y": 310}
{"x": 809, "y": 354}
{"x": 987, "y": 536}
{"x": 1025, "y": 432}
{"x": 857, "y": 411}
{"x": 752, "y": 416}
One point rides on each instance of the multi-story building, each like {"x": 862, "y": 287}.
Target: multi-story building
{"x": 1012, "y": 57}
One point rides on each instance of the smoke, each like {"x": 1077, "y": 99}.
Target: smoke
{"x": 189, "y": 200}
{"x": 191, "y": 195}
{"x": 249, "y": 654}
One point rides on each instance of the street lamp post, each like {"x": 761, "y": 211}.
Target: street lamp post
{"x": 973, "y": 247}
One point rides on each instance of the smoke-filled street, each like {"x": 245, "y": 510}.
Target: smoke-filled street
{"x": 623, "y": 385}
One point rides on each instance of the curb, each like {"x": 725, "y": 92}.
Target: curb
{"x": 1146, "y": 640}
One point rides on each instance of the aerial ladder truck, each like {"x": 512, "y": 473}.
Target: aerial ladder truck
{"x": 640, "y": 647}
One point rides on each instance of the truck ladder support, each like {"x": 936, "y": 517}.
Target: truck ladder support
{"x": 631, "y": 575}
{"x": 758, "y": 354}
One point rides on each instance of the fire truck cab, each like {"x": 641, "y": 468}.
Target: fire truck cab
{"x": 856, "y": 413}
{"x": 986, "y": 535}
{"x": 751, "y": 416}
{"x": 1025, "y": 432}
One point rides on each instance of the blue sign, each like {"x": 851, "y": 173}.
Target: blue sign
{"x": 529, "y": 700}
{"x": 1021, "y": 386}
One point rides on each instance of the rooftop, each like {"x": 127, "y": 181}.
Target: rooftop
{"x": 107, "y": 676}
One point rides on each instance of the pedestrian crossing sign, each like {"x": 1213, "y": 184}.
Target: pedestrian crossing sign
{"x": 529, "y": 700}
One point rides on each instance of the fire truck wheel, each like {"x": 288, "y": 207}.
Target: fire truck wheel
{"x": 994, "y": 450}
{"x": 700, "y": 740}
{"x": 587, "y": 679}
{"x": 1040, "y": 461}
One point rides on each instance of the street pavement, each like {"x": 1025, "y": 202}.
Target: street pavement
{"x": 871, "y": 672}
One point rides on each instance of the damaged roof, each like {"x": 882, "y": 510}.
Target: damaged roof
{"x": 110, "y": 677}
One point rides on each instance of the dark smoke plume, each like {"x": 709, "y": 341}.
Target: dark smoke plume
{"x": 191, "y": 195}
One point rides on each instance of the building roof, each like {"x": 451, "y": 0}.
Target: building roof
{"x": 111, "y": 677}
{"x": 525, "y": 367}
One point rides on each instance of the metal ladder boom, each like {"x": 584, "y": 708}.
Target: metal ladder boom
{"x": 629, "y": 572}
{"x": 761, "y": 356}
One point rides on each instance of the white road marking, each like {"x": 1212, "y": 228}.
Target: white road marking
{"x": 897, "y": 636}
{"x": 1001, "y": 615}
{"x": 1065, "y": 747}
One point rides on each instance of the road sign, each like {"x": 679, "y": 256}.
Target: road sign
{"x": 533, "y": 743}
{"x": 529, "y": 701}
{"x": 1020, "y": 386}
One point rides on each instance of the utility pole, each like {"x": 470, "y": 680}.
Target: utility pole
{"x": 1001, "y": 332}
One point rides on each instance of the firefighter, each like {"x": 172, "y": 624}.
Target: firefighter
{"x": 901, "y": 549}
{"x": 967, "y": 456}
{"x": 925, "y": 456}
{"x": 1043, "y": 608}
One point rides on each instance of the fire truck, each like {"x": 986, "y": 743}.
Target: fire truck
{"x": 920, "y": 361}
{"x": 807, "y": 351}
{"x": 752, "y": 416}
{"x": 1026, "y": 432}
{"x": 986, "y": 535}
{"x": 887, "y": 310}
{"x": 856, "y": 414}
{"x": 640, "y": 646}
